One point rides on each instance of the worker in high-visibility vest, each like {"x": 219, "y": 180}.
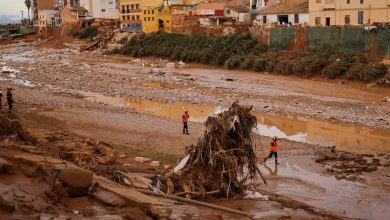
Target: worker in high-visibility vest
{"x": 273, "y": 151}
{"x": 185, "y": 118}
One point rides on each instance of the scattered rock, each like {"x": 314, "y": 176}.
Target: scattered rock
{"x": 160, "y": 212}
{"x": 351, "y": 177}
{"x": 142, "y": 159}
{"x": 90, "y": 142}
{"x": 155, "y": 164}
{"x": 6, "y": 199}
{"x": 76, "y": 180}
{"x": 109, "y": 198}
{"x": 5, "y": 166}
{"x": 386, "y": 99}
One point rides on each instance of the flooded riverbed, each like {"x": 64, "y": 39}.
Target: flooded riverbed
{"x": 348, "y": 137}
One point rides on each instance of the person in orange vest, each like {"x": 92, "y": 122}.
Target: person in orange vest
{"x": 185, "y": 118}
{"x": 273, "y": 150}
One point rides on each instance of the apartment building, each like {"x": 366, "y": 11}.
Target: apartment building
{"x": 130, "y": 15}
{"x": 348, "y": 12}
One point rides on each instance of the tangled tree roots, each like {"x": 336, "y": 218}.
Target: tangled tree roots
{"x": 223, "y": 161}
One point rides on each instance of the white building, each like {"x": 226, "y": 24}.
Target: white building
{"x": 284, "y": 12}
{"x": 103, "y": 9}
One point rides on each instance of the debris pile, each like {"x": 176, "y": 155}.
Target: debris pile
{"x": 223, "y": 162}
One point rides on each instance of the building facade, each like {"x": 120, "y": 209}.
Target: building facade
{"x": 130, "y": 15}
{"x": 45, "y": 19}
{"x": 101, "y": 9}
{"x": 348, "y": 12}
{"x": 284, "y": 12}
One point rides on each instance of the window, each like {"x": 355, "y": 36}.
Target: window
{"x": 144, "y": 18}
{"x": 168, "y": 21}
{"x": 137, "y": 6}
{"x": 123, "y": 9}
{"x": 137, "y": 17}
{"x": 296, "y": 18}
{"x": 360, "y": 17}
{"x": 148, "y": 11}
{"x": 318, "y": 1}
{"x": 348, "y": 1}
{"x": 329, "y": 1}
{"x": 152, "y": 18}
{"x": 264, "y": 19}
{"x": 361, "y": 1}
{"x": 132, "y": 7}
{"x": 228, "y": 11}
{"x": 128, "y": 17}
{"x": 123, "y": 17}
{"x": 103, "y": 10}
{"x": 327, "y": 21}
{"x": 347, "y": 20}
{"x": 132, "y": 17}
{"x": 318, "y": 20}
{"x": 144, "y": 12}
{"x": 148, "y": 18}
{"x": 152, "y": 11}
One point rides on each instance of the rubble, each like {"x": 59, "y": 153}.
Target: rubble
{"x": 223, "y": 160}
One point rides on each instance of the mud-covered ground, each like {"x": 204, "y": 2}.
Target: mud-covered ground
{"x": 135, "y": 106}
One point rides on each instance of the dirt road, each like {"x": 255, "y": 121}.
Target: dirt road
{"x": 135, "y": 105}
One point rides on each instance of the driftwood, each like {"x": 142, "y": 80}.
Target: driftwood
{"x": 190, "y": 201}
{"x": 223, "y": 160}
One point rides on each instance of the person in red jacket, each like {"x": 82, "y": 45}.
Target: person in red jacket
{"x": 185, "y": 119}
{"x": 273, "y": 151}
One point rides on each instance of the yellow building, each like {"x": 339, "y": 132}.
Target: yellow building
{"x": 130, "y": 15}
{"x": 156, "y": 16}
{"x": 348, "y": 12}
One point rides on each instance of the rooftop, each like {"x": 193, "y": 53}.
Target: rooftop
{"x": 287, "y": 7}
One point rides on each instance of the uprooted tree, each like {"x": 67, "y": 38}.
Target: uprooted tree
{"x": 223, "y": 162}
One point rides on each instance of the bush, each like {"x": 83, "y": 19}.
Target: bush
{"x": 88, "y": 32}
{"x": 336, "y": 69}
{"x": 367, "y": 73}
{"x": 233, "y": 62}
{"x": 260, "y": 64}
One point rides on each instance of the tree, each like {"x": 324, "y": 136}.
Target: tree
{"x": 28, "y": 5}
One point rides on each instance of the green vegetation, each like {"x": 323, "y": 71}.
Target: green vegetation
{"x": 243, "y": 52}
{"x": 86, "y": 33}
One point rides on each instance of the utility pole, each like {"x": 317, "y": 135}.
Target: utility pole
{"x": 22, "y": 15}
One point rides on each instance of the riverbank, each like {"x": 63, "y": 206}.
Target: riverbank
{"x": 135, "y": 105}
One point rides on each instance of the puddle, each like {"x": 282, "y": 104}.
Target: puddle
{"x": 351, "y": 199}
{"x": 352, "y": 138}
{"x": 198, "y": 112}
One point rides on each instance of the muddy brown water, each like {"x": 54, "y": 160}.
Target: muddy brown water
{"x": 348, "y": 137}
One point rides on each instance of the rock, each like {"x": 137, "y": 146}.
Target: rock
{"x": 5, "y": 166}
{"x": 386, "y": 99}
{"x": 160, "y": 212}
{"x": 109, "y": 198}
{"x": 351, "y": 177}
{"x": 76, "y": 180}
{"x": 90, "y": 142}
{"x": 155, "y": 164}
{"x": 6, "y": 199}
{"x": 142, "y": 159}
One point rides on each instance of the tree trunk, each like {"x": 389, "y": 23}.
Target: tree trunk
{"x": 28, "y": 12}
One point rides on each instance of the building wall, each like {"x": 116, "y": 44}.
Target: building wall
{"x": 103, "y": 9}
{"x": 130, "y": 15}
{"x": 45, "y": 19}
{"x": 337, "y": 10}
{"x": 273, "y": 18}
{"x": 149, "y": 12}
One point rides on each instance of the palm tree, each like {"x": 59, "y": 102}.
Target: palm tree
{"x": 28, "y": 5}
